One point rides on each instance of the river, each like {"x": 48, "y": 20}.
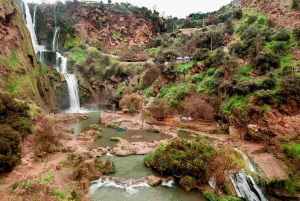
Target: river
{"x": 132, "y": 167}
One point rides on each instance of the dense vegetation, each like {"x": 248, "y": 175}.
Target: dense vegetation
{"x": 194, "y": 163}
{"x": 15, "y": 126}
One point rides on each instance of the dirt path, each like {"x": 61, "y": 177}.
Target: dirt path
{"x": 31, "y": 170}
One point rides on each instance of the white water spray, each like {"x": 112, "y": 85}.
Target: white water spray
{"x": 130, "y": 189}
{"x": 168, "y": 183}
{"x": 245, "y": 187}
{"x": 55, "y": 43}
{"x": 247, "y": 160}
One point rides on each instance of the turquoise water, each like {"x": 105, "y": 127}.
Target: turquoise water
{"x": 108, "y": 133}
{"x": 132, "y": 167}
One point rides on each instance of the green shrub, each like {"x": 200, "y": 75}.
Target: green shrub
{"x": 295, "y": 3}
{"x": 279, "y": 47}
{"x": 200, "y": 54}
{"x": 9, "y": 148}
{"x": 264, "y": 97}
{"x": 250, "y": 32}
{"x": 228, "y": 27}
{"x": 238, "y": 48}
{"x": 293, "y": 150}
{"x": 289, "y": 186}
{"x": 286, "y": 70}
{"x": 188, "y": 183}
{"x": 175, "y": 92}
{"x": 290, "y": 88}
{"x": 94, "y": 127}
{"x": 242, "y": 87}
{"x": 182, "y": 158}
{"x": 296, "y": 33}
{"x": 170, "y": 72}
{"x": 58, "y": 194}
{"x": 268, "y": 83}
{"x": 251, "y": 19}
{"x": 238, "y": 14}
{"x": 197, "y": 78}
{"x": 267, "y": 61}
{"x": 211, "y": 196}
{"x": 15, "y": 185}
{"x": 266, "y": 33}
{"x": 183, "y": 68}
{"x": 157, "y": 42}
{"x": 242, "y": 28}
{"x": 14, "y": 127}
{"x": 282, "y": 35}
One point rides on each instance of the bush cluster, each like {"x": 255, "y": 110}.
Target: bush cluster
{"x": 133, "y": 102}
{"x": 194, "y": 162}
{"x": 15, "y": 126}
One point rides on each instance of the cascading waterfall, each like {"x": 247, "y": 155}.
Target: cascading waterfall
{"x": 55, "y": 43}
{"x": 56, "y": 31}
{"x": 244, "y": 185}
{"x": 30, "y": 23}
{"x": 61, "y": 66}
{"x": 247, "y": 160}
{"x": 61, "y": 61}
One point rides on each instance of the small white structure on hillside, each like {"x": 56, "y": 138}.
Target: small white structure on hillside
{"x": 183, "y": 60}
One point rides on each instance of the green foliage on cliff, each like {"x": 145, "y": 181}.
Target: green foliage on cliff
{"x": 210, "y": 196}
{"x": 15, "y": 126}
{"x": 293, "y": 150}
{"x": 174, "y": 92}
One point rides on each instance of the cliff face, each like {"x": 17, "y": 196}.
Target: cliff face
{"x": 280, "y": 13}
{"x": 20, "y": 72}
{"x": 98, "y": 26}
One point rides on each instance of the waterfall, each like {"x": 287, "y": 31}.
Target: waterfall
{"x": 244, "y": 184}
{"x": 73, "y": 93}
{"x": 56, "y": 29}
{"x": 61, "y": 67}
{"x": 30, "y": 23}
{"x": 61, "y": 61}
{"x": 245, "y": 187}
{"x": 54, "y": 43}
{"x": 247, "y": 160}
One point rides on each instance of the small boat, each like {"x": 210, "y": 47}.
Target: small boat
{"x": 121, "y": 128}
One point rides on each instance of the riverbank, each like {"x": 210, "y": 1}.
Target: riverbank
{"x": 51, "y": 175}
{"x": 268, "y": 163}
{"x": 46, "y": 176}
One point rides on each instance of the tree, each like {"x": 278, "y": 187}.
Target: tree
{"x": 133, "y": 102}
{"x": 199, "y": 106}
{"x": 160, "y": 108}
{"x": 109, "y": 2}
